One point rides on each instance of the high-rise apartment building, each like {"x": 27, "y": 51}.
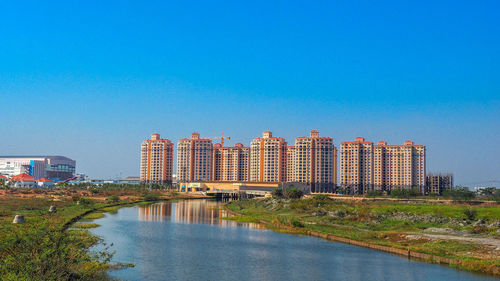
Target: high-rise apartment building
{"x": 230, "y": 163}
{"x": 268, "y": 157}
{"x": 399, "y": 166}
{"x": 365, "y": 166}
{"x": 356, "y": 164}
{"x": 290, "y": 161}
{"x": 437, "y": 183}
{"x": 194, "y": 159}
{"x": 156, "y": 160}
{"x": 314, "y": 162}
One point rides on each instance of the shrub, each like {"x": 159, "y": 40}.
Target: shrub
{"x": 296, "y": 223}
{"x": 321, "y": 197}
{"x": 290, "y": 192}
{"x": 85, "y": 201}
{"x": 459, "y": 193}
{"x": 277, "y": 193}
{"x": 113, "y": 198}
{"x": 44, "y": 252}
{"x": 75, "y": 198}
{"x": 470, "y": 213}
{"x": 373, "y": 193}
{"x": 151, "y": 197}
{"x": 293, "y": 193}
{"x": 405, "y": 193}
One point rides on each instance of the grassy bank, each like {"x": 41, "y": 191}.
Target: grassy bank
{"x": 45, "y": 247}
{"x": 463, "y": 235}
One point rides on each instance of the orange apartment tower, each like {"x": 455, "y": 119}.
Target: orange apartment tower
{"x": 365, "y": 166}
{"x": 268, "y": 157}
{"x": 230, "y": 163}
{"x": 290, "y": 164}
{"x": 313, "y": 160}
{"x": 156, "y": 160}
{"x": 399, "y": 166}
{"x": 194, "y": 159}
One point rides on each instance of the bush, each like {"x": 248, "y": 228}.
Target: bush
{"x": 296, "y": 223}
{"x": 151, "y": 197}
{"x": 85, "y": 201}
{"x": 405, "y": 193}
{"x": 113, "y": 198}
{"x": 277, "y": 193}
{"x": 293, "y": 193}
{"x": 321, "y": 197}
{"x": 287, "y": 193}
{"x": 44, "y": 252}
{"x": 459, "y": 193}
{"x": 373, "y": 193}
{"x": 470, "y": 213}
{"x": 75, "y": 198}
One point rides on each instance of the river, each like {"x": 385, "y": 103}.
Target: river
{"x": 187, "y": 240}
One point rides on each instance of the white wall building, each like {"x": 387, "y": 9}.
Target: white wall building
{"x": 51, "y": 167}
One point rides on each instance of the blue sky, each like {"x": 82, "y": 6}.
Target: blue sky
{"x": 92, "y": 79}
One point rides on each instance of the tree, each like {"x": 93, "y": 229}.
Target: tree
{"x": 113, "y": 198}
{"x": 459, "y": 193}
{"x": 277, "y": 193}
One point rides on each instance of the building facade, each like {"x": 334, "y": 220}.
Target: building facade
{"x": 268, "y": 157}
{"x": 365, "y": 166}
{"x": 194, "y": 159}
{"x": 356, "y": 165}
{"x": 313, "y": 160}
{"x": 290, "y": 160}
{"x": 399, "y": 166}
{"x": 56, "y": 168}
{"x": 230, "y": 163}
{"x": 156, "y": 160}
{"x": 437, "y": 183}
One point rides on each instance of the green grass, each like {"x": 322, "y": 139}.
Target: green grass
{"x": 86, "y": 225}
{"x": 40, "y": 249}
{"x": 242, "y": 219}
{"x": 94, "y": 216}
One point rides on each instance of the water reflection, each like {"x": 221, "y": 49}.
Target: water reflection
{"x": 190, "y": 211}
{"x": 183, "y": 241}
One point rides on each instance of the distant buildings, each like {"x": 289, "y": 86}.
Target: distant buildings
{"x": 194, "y": 159}
{"x": 268, "y": 157}
{"x": 437, "y": 183}
{"x": 365, "y": 166}
{"x": 56, "y": 168}
{"x": 311, "y": 161}
{"x": 156, "y": 160}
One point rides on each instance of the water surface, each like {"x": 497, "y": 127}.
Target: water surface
{"x": 187, "y": 240}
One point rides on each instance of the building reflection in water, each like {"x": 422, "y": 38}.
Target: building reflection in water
{"x": 190, "y": 211}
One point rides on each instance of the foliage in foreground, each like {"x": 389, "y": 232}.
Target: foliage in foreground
{"x": 42, "y": 251}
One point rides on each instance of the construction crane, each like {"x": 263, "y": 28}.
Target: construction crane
{"x": 221, "y": 138}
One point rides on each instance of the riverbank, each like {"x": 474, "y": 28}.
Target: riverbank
{"x": 46, "y": 247}
{"x": 459, "y": 235}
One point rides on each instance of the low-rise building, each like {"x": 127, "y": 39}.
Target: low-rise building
{"x": 45, "y": 183}
{"x": 56, "y": 168}
{"x": 23, "y": 181}
{"x": 437, "y": 183}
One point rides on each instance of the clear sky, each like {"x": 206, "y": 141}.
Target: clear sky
{"x": 92, "y": 79}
